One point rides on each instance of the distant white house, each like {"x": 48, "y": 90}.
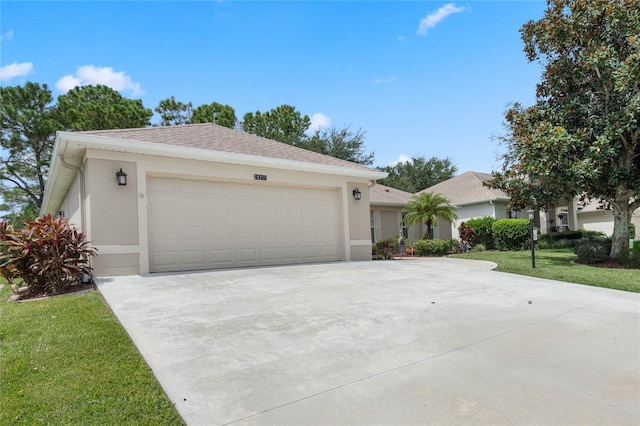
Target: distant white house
{"x": 474, "y": 200}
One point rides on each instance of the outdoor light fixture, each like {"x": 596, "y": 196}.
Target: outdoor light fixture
{"x": 122, "y": 178}
{"x": 357, "y": 194}
{"x": 531, "y": 214}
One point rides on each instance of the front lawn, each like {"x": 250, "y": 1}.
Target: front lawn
{"x": 67, "y": 360}
{"x": 555, "y": 265}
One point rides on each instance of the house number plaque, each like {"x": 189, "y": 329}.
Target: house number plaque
{"x": 260, "y": 177}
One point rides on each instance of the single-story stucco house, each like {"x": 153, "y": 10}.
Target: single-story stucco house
{"x": 472, "y": 199}
{"x": 203, "y": 196}
{"x": 386, "y": 214}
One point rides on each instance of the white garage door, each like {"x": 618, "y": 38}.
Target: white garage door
{"x": 203, "y": 225}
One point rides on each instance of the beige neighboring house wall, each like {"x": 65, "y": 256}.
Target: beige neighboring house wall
{"x": 386, "y": 214}
{"x": 591, "y": 218}
{"x": 220, "y": 213}
{"x": 472, "y": 199}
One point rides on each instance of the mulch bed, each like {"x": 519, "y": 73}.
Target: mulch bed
{"x": 24, "y": 294}
{"x": 608, "y": 263}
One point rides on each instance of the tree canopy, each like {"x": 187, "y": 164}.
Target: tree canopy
{"x": 100, "y": 108}
{"x": 581, "y": 137}
{"x": 174, "y": 113}
{"x": 214, "y": 112}
{"x": 28, "y": 130}
{"x": 344, "y": 143}
{"x": 418, "y": 173}
{"x": 283, "y": 124}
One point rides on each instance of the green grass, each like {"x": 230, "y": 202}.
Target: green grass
{"x": 67, "y": 360}
{"x": 555, "y": 265}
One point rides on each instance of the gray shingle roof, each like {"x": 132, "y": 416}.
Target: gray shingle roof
{"x": 381, "y": 194}
{"x": 218, "y": 138}
{"x": 467, "y": 188}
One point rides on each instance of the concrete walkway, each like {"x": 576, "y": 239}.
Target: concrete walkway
{"x": 406, "y": 342}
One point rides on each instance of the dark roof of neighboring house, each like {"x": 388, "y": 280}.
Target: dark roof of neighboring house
{"x": 467, "y": 188}
{"x": 381, "y": 194}
{"x": 219, "y": 138}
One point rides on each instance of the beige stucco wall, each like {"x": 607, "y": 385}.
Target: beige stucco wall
{"x": 117, "y": 216}
{"x": 71, "y": 204}
{"x": 386, "y": 221}
{"x": 113, "y": 209}
{"x": 109, "y": 265}
{"x": 602, "y": 221}
{"x": 359, "y": 221}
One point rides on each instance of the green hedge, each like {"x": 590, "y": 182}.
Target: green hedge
{"x": 484, "y": 231}
{"x": 630, "y": 258}
{"x": 511, "y": 234}
{"x": 431, "y": 247}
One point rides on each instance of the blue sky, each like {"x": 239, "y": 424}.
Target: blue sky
{"x": 428, "y": 78}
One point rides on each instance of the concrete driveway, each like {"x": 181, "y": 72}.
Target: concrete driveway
{"x": 408, "y": 342}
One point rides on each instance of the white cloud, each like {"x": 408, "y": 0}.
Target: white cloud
{"x": 384, "y": 80}
{"x": 89, "y": 74}
{"x": 319, "y": 120}
{"x": 15, "y": 70}
{"x": 7, "y": 36}
{"x": 432, "y": 19}
{"x": 400, "y": 38}
{"x": 402, "y": 159}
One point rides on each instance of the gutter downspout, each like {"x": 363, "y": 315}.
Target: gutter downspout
{"x": 80, "y": 172}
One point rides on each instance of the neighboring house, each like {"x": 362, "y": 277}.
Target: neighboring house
{"x": 203, "y": 196}
{"x": 590, "y": 217}
{"x": 472, "y": 199}
{"x": 386, "y": 215}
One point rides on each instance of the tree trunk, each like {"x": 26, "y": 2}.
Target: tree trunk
{"x": 621, "y": 220}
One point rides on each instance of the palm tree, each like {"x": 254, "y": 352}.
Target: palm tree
{"x": 426, "y": 208}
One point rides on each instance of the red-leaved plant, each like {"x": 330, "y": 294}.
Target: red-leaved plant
{"x": 48, "y": 254}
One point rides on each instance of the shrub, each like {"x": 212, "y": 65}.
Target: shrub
{"x": 48, "y": 254}
{"x": 630, "y": 258}
{"x": 603, "y": 241}
{"x": 387, "y": 248}
{"x": 511, "y": 234}
{"x": 591, "y": 252}
{"x": 585, "y": 233}
{"x": 467, "y": 235}
{"x": 479, "y": 247}
{"x": 453, "y": 245}
{"x": 632, "y": 231}
{"x": 484, "y": 231}
{"x": 430, "y": 247}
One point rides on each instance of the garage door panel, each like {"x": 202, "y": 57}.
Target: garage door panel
{"x": 206, "y": 224}
{"x": 165, "y": 260}
{"x": 270, "y": 253}
{"x": 194, "y": 257}
{"x": 221, "y": 256}
{"x": 246, "y": 255}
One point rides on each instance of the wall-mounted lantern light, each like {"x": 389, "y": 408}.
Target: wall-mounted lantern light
{"x": 60, "y": 214}
{"x": 357, "y": 194}
{"x": 122, "y": 178}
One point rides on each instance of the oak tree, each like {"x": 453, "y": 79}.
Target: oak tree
{"x": 344, "y": 143}
{"x": 221, "y": 114}
{"x": 418, "y": 173}
{"x": 283, "y": 124}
